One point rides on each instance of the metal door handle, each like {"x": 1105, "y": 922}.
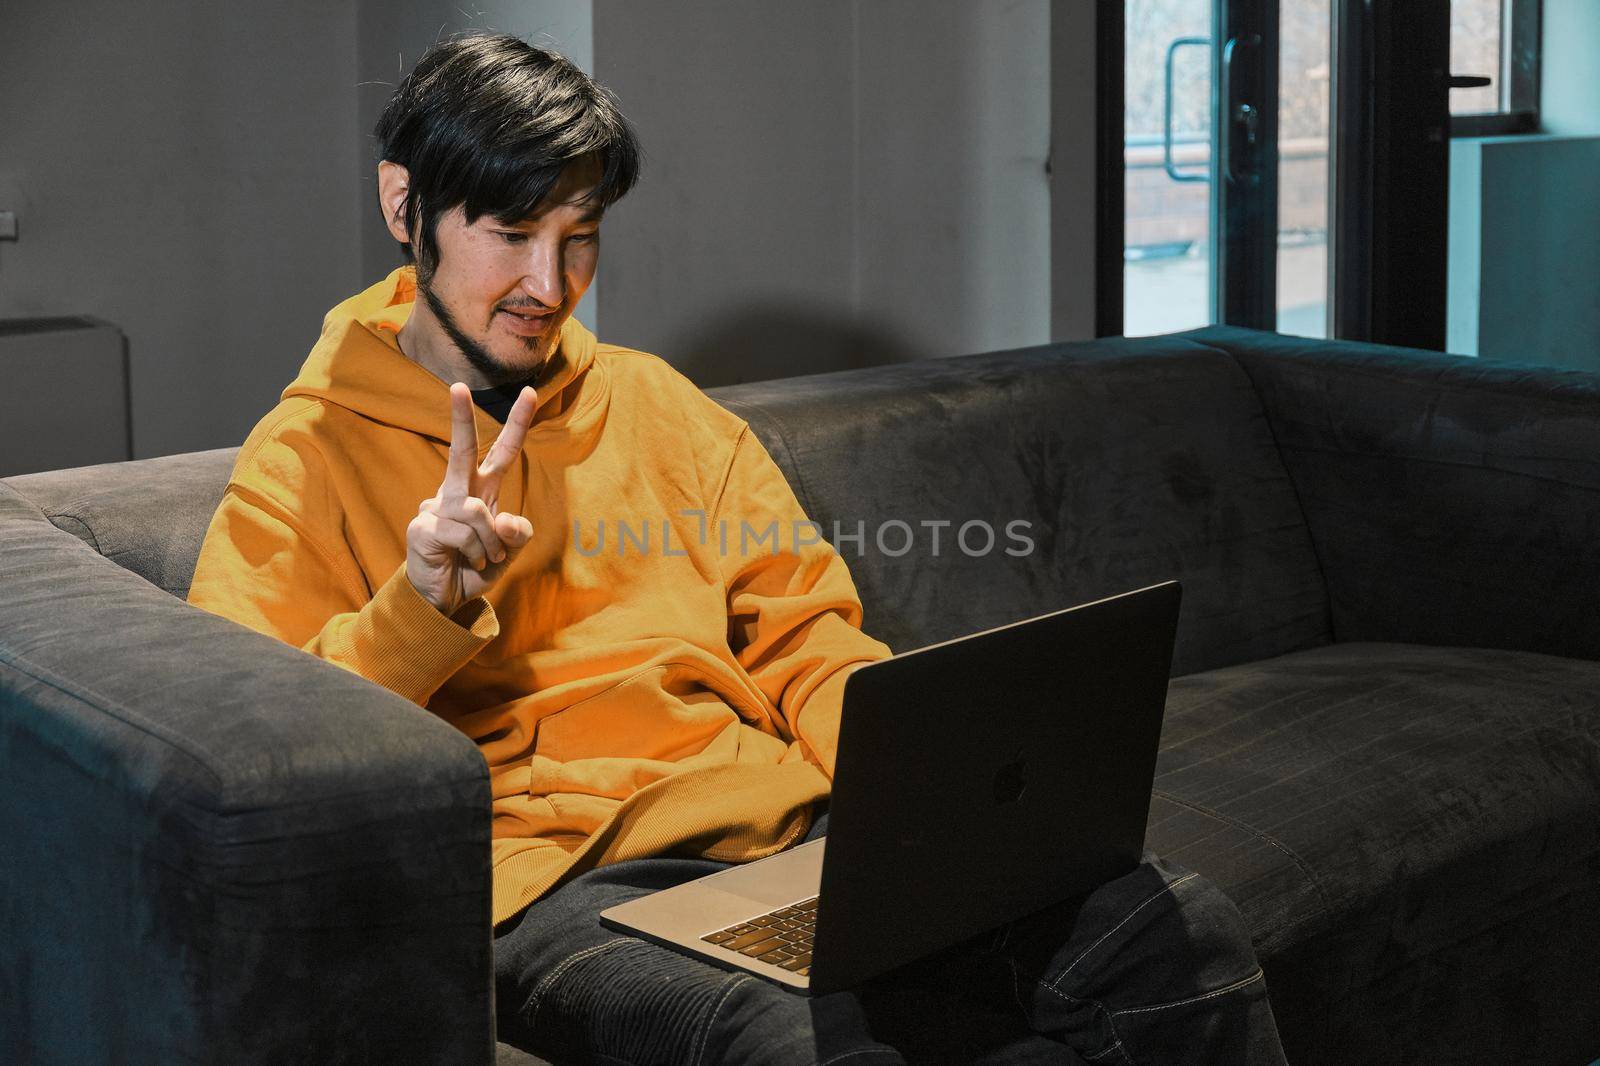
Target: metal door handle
{"x": 1244, "y": 114}
{"x": 1166, "y": 112}
{"x": 1250, "y": 118}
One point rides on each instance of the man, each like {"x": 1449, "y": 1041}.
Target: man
{"x": 655, "y": 694}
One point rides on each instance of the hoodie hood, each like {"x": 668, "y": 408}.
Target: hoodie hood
{"x": 358, "y": 365}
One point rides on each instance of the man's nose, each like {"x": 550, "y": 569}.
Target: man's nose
{"x": 543, "y": 277}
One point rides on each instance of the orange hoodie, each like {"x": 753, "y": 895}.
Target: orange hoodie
{"x": 655, "y": 671}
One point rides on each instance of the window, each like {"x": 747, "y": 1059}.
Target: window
{"x": 1497, "y": 40}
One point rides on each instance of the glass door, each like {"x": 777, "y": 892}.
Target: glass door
{"x": 1225, "y": 165}
{"x": 1169, "y": 175}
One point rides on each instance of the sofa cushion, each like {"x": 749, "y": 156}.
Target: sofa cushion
{"x": 1407, "y": 829}
{"x": 149, "y": 516}
{"x": 1133, "y": 461}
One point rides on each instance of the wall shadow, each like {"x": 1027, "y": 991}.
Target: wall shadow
{"x": 763, "y": 342}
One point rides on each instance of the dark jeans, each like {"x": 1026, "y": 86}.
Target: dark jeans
{"x": 1155, "y": 967}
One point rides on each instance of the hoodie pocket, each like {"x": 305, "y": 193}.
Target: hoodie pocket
{"x": 664, "y": 713}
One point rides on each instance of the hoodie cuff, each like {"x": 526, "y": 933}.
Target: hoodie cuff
{"x": 817, "y": 726}
{"x": 402, "y": 642}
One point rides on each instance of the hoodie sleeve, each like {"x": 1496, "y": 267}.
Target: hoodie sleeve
{"x": 257, "y": 567}
{"x": 794, "y": 618}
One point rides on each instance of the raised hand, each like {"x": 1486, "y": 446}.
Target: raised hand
{"x": 460, "y": 542}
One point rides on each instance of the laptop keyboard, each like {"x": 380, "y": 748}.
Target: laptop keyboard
{"x": 782, "y": 937}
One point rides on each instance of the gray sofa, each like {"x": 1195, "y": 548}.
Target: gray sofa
{"x": 1382, "y": 737}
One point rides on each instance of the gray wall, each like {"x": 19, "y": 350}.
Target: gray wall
{"x": 826, "y": 185}
{"x": 830, "y": 184}
{"x": 178, "y": 170}
{"x": 1074, "y": 172}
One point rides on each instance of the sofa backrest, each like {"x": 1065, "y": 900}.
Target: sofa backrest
{"x": 1078, "y": 471}
{"x": 1451, "y": 500}
{"x": 1132, "y": 461}
{"x": 149, "y": 515}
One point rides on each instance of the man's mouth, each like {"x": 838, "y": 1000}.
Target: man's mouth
{"x": 527, "y": 323}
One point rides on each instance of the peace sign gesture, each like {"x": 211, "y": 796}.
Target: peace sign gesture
{"x": 460, "y": 542}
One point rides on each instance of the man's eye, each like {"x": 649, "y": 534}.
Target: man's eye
{"x": 512, "y": 236}
{"x": 583, "y": 238}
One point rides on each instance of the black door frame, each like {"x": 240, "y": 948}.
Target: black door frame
{"x": 1111, "y": 178}
{"x": 1245, "y": 164}
{"x": 1391, "y": 170}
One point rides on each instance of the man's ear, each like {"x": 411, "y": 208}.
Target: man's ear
{"x": 394, "y": 182}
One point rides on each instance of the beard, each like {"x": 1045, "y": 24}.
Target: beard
{"x": 480, "y": 357}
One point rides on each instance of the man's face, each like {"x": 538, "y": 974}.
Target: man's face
{"x": 499, "y": 294}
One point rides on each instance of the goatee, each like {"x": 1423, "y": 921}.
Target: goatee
{"x": 494, "y": 371}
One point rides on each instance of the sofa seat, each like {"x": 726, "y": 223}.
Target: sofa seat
{"x": 1419, "y": 814}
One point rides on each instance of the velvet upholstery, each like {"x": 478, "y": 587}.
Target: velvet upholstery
{"x": 148, "y": 516}
{"x": 216, "y": 848}
{"x": 1439, "y": 490}
{"x": 1134, "y": 461}
{"x": 1412, "y": 834}
{"x": 1382, "y": 739}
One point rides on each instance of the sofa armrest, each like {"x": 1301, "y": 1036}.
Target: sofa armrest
{"x": 218, "y": 849}
{"x": 1450, "y": 501}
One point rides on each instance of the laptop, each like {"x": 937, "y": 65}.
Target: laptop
{"x": 978, "y": 781}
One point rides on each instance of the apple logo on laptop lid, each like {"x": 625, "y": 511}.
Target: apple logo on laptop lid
{"x": 1009, "y": 781}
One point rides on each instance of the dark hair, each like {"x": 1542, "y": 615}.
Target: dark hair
{"x": 487, "y": 122}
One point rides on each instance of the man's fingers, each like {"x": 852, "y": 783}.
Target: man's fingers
{"x": 475, "y": 515}
{"x": 509, "y": 443}
{"x": 514, "y": 530}
{"x": 458, "y": 524}
{"x": 463, "y": 445}
{"x": 463, "y": 538}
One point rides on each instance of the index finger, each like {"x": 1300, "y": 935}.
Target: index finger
{"x": 509, "y": 443}
{"x": 457, "y": 481}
